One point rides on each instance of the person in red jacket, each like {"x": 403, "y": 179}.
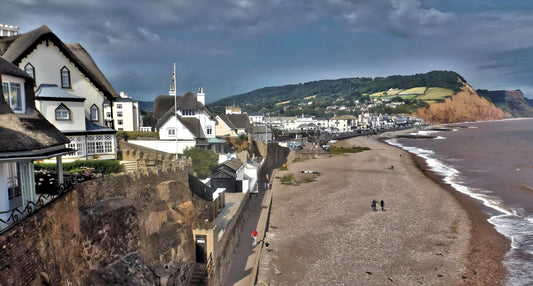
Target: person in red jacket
{"x": 254, "y": 237}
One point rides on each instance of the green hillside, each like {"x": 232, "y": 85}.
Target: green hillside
{"x": 313, "y": 97}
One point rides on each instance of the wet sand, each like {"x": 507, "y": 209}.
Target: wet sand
{"x": 323, "y": 231}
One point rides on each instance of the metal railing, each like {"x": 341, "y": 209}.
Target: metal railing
{"x": 15, "y": 215}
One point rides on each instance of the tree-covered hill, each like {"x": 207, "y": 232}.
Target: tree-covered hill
{"x": 322, "y": 93}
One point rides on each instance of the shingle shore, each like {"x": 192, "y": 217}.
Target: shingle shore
{"x": 324, "y": 232}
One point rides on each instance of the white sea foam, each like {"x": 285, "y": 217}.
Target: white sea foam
{"x": 509, "y": 222}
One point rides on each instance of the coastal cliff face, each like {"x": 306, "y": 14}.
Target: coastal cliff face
{"x": 466, "y": 105}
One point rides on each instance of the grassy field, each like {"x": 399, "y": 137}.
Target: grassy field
{"x": 284, "y": 102}
{"x": 434, "y": 93}
{"x": 414, "y": 90}
{"x": 309, "y": 97}
{"x": 429, "y": 95}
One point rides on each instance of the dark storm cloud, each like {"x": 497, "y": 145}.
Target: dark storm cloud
{"x": 234, "y": 46}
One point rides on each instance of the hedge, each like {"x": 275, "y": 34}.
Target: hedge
{"x": 105, "y": 167}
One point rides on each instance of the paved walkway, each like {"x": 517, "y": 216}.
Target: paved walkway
{"x": 243, "y": 270}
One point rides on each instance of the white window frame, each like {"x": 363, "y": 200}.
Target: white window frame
{"x": 119, "y": 105}
{"x": 30, "y": 69}
{"x": 7, "y": 83}
{"x": 188, "y": 112}
{"x": 94, "y": 116}
{"x": 171, "y": 131}
{"x": 65, "y": 77}
{"x": 119, "y": 114}
{"x": 209, "y": 130}
{"x": 99, "y": 144}
{"x": 120, "y": 122}
{"x": 77, "y": 143}
{"x": 63, "y": 112}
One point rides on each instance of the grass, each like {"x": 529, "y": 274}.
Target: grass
{"x": 309, "y": 97}
{"x": 415, "y": 90}
{"x": 283, "y": 102}
{"x": 341, "y": 150}
{"x": 288, "y": 179}
{"x": 434, "y": 93}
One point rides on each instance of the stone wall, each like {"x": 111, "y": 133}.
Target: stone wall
{"x": 149, "y": 160}
{"x": 122, "y": 229}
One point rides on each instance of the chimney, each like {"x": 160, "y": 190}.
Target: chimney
{"x": 201, "y": 95}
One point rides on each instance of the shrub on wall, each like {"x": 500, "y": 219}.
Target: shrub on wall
{"x": 105, "y": 167}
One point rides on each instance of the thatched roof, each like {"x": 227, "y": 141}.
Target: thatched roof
{"x": 165, "y": 103}
{"x": 237, "y": 121}
{"x": 192, "y": 123}
{"x": 15, "y": 48}
{"x": 29, "y": 131}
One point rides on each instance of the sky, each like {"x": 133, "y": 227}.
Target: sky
{"x": 232, "y": 47}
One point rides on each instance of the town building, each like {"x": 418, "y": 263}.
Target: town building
{"x": 25, "y": 136}
{"x": 125, "y": 113}
{"x": 66, "y": 77}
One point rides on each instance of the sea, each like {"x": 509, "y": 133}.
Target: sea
{"x": 490, "y": 161}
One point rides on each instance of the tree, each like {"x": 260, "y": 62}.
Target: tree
{"x": 203, "y": 161}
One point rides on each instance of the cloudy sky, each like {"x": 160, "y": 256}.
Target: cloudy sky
{"x": 235, "y": 46}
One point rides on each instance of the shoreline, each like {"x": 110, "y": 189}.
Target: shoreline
{"x": 487, "y": 246}
{"x": 323, "y": 231}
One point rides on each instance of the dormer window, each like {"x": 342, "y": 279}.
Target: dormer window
{"x": 62, "y": 112}
{"x": 187, "y": 112}
{"x": 29, "y": 69}
{"x": 13, "y": 91}
{"x": 95, "y": 111}
{"x": 65, "y": 77}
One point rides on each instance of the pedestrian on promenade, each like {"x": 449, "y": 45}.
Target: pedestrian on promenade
{"x": 254, "y": 237}
{"x": 382, "y": 203}
{"x": 374, "y": 205}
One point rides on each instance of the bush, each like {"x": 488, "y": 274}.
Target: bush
{"x": 204, "y": 161}
{"x": 105, "y": 167}
{"x": 126, "y": 135}
{"x": 340, "y": 150}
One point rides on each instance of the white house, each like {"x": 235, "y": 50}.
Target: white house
{"x": 190, "y": 124}
{"x": 343, "y": 123}
{"x": 125, "y": 113}
{"x": 69, "y": 68}
{"x": 25, "y": 136}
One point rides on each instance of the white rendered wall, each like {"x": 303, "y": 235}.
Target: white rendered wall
{"x": 165, "y": 146}
{"x": 182, "y": 131}
{"x": 48, "y": 61}
{"x": 77, "y": 114}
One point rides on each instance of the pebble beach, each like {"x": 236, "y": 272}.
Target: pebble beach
{"x": 323, "y": 231}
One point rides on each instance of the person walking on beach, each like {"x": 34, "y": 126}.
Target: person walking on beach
{"x": 254, "y": 237}
{"x": 374, "y": 205}
{"x": 382, "y": 203}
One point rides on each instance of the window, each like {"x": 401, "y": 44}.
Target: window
{"x": 29, "y": 69}
{"x": 13, "y": 91}
{"x": 94, "y": 112}
{"x": 13, "y": 180}
{"x": 119, "y": 114}
{"x": 121, "y": 129}
{"x": 209, "y": 130}
{"x": 171, "y": 131}
{"x": 120, "y": 122}
{"x": 187, "y": 112}
{"x": 119, "y": 106}
{"x": 108, "y": 114}
{"x": 65, "y": 77}
{"x": 76, "y": 143}
{"x": 99, "y": 144}
{"x": 62, "y": 112}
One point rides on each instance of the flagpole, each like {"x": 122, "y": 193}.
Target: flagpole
{"x": 175, "y": 109}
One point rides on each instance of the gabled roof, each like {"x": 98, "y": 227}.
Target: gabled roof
{"x": 29, "y": 131}
{"x": 15, "y": 48}
{"x": 165, "y": 103}
{"x": 237, "y": 121}
{"x": 53, "y": 92}
{"x": 192, "y": 123}
{"x": 233, "y": 163}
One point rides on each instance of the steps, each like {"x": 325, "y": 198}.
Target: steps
{"x": 199, "y": 275}
{"x": 130, "y": 166}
